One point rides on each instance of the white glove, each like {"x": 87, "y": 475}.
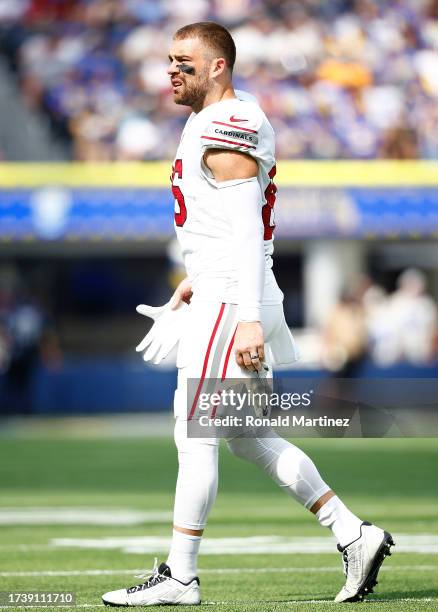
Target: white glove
{"x": 165, "y": 332}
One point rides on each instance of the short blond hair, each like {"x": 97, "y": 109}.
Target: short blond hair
{"x": 214, "y": 36}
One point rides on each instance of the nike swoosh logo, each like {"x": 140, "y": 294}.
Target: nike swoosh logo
{"x": 235, "y": 120}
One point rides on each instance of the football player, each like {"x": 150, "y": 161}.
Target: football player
{"x": 223, "y": 184}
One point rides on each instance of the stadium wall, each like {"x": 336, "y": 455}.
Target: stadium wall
{"x": 125, "y": 385}
{"x": 131, "y": 202}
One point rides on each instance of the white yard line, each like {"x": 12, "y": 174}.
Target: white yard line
{"x": 249, "y": 570}
{"x": 316, "y": 601}
{"x": 71, "y": 515}
{"x": 259, "y": 545}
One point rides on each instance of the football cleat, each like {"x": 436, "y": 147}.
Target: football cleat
{"x": 362, "y": 559}
{"x": 159, "y": 589}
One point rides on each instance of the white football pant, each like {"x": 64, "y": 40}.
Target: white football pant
{"x": 206, "y": 352}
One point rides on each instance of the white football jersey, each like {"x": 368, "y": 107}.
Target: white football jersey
{"x": 202, "y": 228}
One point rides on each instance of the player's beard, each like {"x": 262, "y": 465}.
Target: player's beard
{"x": 194, "y": 90}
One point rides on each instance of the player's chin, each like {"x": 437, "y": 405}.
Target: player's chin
{"x": 182, "y": 96}
{"x": 178, "y": 98}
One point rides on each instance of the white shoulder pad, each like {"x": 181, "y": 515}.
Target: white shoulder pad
{"x": 234, "y": 126}
{"x": 245, "y": 95}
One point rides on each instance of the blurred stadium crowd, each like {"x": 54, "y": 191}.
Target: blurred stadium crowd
{"x": 387, "y": 327}
{"x": 338, "y": 79}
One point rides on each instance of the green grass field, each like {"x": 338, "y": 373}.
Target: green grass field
{"x": 391, "y": 482}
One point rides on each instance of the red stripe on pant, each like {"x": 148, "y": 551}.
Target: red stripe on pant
{"x": 224, "y": 370}
{"x": 227, "y": 356}
{"x": 206, "y": 358}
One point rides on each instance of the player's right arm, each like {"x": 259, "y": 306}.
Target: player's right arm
{"x": 230, "y": 165}
{"x": 235, "y": 175}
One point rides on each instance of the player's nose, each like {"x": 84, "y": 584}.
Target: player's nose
{"x": 173, "y": 68}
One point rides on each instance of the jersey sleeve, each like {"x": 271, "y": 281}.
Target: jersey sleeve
{"x": 238, "y": 127}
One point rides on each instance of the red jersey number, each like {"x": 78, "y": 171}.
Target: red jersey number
{"x": 180, "y": 205}
{"x": 268, "y": 215}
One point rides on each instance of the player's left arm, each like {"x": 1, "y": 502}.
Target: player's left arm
{"x": 235, "y": 174}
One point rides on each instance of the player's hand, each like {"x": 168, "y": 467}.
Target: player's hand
{"x": 249, "y": 345}
{"x": 183, "y": 293}
{"x": 165, "y": 332}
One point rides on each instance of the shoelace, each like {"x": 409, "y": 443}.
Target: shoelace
{"x": 345, "y": 559}
{"x": 151, "y": 578}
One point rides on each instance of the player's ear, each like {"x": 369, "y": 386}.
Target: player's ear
{"x": 218, "y": 67}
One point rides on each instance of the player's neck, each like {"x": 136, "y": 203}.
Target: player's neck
{"x": 214, "y": 96}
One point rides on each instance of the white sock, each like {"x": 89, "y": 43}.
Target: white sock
{"x": 344, "y": 524}
{"x": 183, "y": 556}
